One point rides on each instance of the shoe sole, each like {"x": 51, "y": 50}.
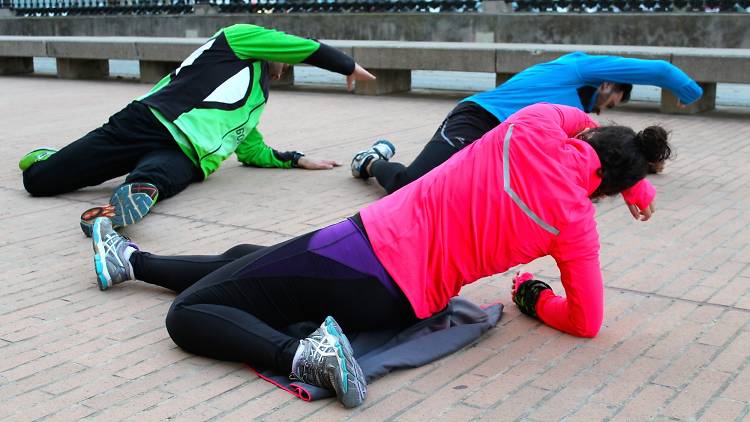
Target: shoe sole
{"x": 125, "y": 208}
{"x": 351, "y": 373}
{"x": 91, "y": 214}
{"x": 102, "y": 274}
{"x": 131, "y": 207}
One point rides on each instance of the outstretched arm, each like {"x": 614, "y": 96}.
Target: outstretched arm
{"x": 595, "y": 70}
{"x": 254, "y": 42}
{"x": 254, "y": 152}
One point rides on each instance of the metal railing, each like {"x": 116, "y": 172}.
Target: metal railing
{"x": 100, "y": 7}
{"x": 176, "y": 7}
{"x": 166, "y": 7}
{"x": 346, "y": 6}
{"x": 630, "y": 6}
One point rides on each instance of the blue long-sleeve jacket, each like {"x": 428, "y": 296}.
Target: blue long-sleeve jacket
{"x": 558, "y": 82}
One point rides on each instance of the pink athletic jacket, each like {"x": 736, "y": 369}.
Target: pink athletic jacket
{"x": 519, "y": 193}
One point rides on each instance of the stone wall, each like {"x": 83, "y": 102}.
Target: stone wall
{"x": 668, "y": 29}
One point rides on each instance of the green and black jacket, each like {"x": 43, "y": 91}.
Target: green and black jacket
{"x": 212, "y": 103}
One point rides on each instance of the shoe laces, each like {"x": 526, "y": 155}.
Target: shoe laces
{"x": 317, "y": 351}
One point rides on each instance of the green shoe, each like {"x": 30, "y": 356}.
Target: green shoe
{"x": 35, "y": 156}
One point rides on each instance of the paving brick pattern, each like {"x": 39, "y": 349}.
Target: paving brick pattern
{"x": 674, "y": 346}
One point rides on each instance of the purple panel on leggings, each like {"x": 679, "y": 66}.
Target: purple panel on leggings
{"x": 344, "y": 242}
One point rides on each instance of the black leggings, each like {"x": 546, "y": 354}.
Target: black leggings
{"x": 466, "y": 123}
{"x": 132, "y": 142}
{"x": 236, "y": 306}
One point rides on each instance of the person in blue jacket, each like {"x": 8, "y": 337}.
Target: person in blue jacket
{"x": 590, "y": 83}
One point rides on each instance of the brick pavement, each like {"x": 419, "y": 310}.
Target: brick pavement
{"x": 675, "y": 340}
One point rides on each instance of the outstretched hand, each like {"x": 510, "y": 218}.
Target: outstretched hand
{"x": 641, "y": 214}
{"x": 359, "y": 74}
{"x": 313, "y": 164}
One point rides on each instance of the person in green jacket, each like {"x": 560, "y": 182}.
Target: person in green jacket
{"x": 186, "y": 125}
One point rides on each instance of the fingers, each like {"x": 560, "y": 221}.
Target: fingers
{"x": 641, "y": 214}
{"x": 647, "y": 213}
{"x": 321, "y": 164}
{"x": 362, "y": 74}
{"x": 327, "y": 164}
{"x": 634, "y": 211}
{"x": 359, "y": 74}
{"x": 520, "y": 278}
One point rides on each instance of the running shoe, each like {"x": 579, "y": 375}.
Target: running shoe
{"x": 110, "y": 254}
{"x": 35, "y": 156}
{"x": 327, "y": 361}
{"x": 127, "y": 206}
{"x": 380, "y": 150}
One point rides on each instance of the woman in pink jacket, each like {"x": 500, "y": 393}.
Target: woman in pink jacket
{"x": 524, "y": 191}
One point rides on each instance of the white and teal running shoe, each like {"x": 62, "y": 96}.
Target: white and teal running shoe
{"x": 380, "y": 150}
{"x": 111, "y": 254}
{"x": 128, "y": 205}
{"x": 327, "y": 360}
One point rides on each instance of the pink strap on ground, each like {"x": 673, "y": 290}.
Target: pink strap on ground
{"x": 295, "y": 389}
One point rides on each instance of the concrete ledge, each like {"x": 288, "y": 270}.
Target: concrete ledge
{"x": 501, "y": 78}
{"x": 152, "y": 72}
{"x": 719, "y": 65}
{"x": 391, "y": 61}
{"x": 91, "y": 48}
{"x": 669, "y": 103}
{"x": 82, "y": 68}
{"x": 462, "y": 57}
{"x": 709, "y": 30}
{"x": 16, "y": 65}
{"x": 166, "y": 49}
{"x": 388, "y": 81}
{"x": 513, "y": 58}
{"x": 23, "y": 46}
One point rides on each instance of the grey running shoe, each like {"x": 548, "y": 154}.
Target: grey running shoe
{"x": 380, "y": 150}
{"x": 110, "y": 263}
{"x": 128, "y": 205}
{"x": 328, "y": 361}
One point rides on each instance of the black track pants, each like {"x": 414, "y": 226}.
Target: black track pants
{"x": 236, "y": 306}
{"x": 132, "y": 142}
{"x": 465, "y": 124}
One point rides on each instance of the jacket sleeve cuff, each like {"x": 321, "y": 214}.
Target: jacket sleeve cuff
{"x": 331, "y": 59}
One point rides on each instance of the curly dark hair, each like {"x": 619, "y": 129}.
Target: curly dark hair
{"x": 626, "y": 156}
